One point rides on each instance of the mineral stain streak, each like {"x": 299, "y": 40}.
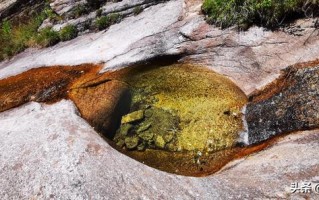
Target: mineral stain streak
{"x": 46, "y": 84}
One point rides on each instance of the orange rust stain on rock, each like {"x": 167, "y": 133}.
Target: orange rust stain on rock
{"x": 46, "y": 84}
{"x": 187, "y": 164}
{"x": 102, "y": 104}
{"x": 97, "y": 97}
{"x": 307, "y": 64}
{"x": 270, "y": 89}
{"x": 280, "y": 83}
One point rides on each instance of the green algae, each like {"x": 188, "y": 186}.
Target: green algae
{"x": 190, "y": 108}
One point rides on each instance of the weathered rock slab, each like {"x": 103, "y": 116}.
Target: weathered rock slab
{"x": 6, "y": 4}
{"x": 252, "y": 59}
{"x": 102, "y": 46}
{"x": 48, "y": 151}
{"x": 63, "y": 6}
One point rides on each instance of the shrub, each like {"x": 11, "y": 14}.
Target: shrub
{"x": 79, "y": 10}
{"x": 15, "y": 37}
{"x": 106, "y": 21}
{"x": 99, "y": 12}
{"x": 47, "y": 37}
{"x": 114, "y": 18}
{"x": 102, "y": 22}
{"x": 269, "y": 13}
{"x": 68, "y": 33}
{"x": 137, "y": 10}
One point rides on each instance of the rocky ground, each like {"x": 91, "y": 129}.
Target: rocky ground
{"x": 49, "y": 151}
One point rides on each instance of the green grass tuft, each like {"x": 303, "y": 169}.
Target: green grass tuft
{"x": 47, "y": 37}
{"x": 137, "y": 10}
{"x": 15, "y": 38}
{"x": 105, "y": 21}
{"x": 268, "y": 13}
{"x": 68, "y": 33}
{"x": 79, "y": 10}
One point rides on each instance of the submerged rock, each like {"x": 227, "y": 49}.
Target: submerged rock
{"x": 131, "y": 142}
{"x": 124, "y": 129}
{"x": 148, "y": 129}
{"x": 148, "y": 113}
{"x": 133, "y": 117}
{"x": 168, "y": 136}
{"x": 144, "y": 127}
{"x": 185, "y": 105}
{"x": 147, "y": 135}
{"x": 160, "y": 142}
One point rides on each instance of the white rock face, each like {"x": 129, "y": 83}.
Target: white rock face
{"x": 102, "y": 46}
{"x": 63, "y": 6}
{"x": 6, "y": 3}
{"x": 251, "y": 59}
{"x": 48, "y": 151}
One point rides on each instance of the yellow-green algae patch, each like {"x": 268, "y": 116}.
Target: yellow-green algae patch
{"x": 206, "y": 104}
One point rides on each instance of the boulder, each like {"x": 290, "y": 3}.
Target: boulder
{"x": 131, "y": 142}
{"x": 133, "y": 117}
{"x": 160, "y": 142}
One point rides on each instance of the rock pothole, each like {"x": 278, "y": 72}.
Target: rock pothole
{"x": 179, "y": 118}
{"x": 182, "y": 118}
{"x": 180, "y": 108}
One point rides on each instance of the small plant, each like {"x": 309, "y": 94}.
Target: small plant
{"x": 105, "y": 21}
{"x": 268, "y": 13}
{"x": 99, "y": 13}
{"x": 47, "y": 37}
{"x": 102, "y": 22}
{"x": 114, "y": 18}
{"x": 16, "y": 36}
{"x": 79, "y": 10}
{"x": 68, "y": 33}
{"x": 6, "y": 28}
{"x": 137, "y": 10}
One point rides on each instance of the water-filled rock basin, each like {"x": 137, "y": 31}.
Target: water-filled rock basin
{"x": 181, "y": 118}
{"x": 178, "y": 118}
